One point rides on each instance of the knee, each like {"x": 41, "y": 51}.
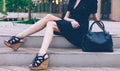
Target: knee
{"x": 49, "y": 15}
{"x": 50, "y": 24}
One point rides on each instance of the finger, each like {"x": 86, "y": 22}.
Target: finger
{"x": 75, "y": 27}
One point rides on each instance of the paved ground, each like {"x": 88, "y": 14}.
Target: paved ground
{"x": 31, "y": 50}
{"x": 22, "y": 68}
{"x": 10, "y": 28}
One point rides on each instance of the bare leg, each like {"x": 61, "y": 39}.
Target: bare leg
{"x": 37, "y": 26}
{"x": 51, "y": 27}
{"x": 16, "y": 41}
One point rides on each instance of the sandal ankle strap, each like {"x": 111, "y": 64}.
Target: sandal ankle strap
{"x": 14, "y": 40}
{"x": 38, "y": 60}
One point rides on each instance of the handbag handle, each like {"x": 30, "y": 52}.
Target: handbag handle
{"x": 100, "y": 24}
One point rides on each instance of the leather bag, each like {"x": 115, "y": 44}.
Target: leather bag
{"x": 97, "y": 41}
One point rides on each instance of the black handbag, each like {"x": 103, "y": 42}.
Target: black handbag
{"x": 97, "y": 41}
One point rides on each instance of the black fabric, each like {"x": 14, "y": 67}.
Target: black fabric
{"x": 70, "y": 5}
{"x": 81, "y": 15}
{"x": 92, "y": 6}
{"x": 97, "y": 41}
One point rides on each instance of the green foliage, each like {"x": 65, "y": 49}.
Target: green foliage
{"x": 5, "y": 13}
{"x": 32, "y": 21}
{"x": 1, "y": 5}
{"x": 17, "y": 5}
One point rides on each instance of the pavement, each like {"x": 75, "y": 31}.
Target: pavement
{"x": 11, "y": 28}
{"x": 23, "y": 68}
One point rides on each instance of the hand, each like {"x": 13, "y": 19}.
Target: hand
{"x": 75, "y": 24}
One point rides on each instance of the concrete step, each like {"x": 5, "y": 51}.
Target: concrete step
{"x": 8, "y": 29}
{"x": 58, "y": 41}
{"x": 36, "y": 41}
{"x": 24, "y": 68}
{"x": 60, "y": 57}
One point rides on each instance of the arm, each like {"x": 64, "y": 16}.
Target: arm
{"x": 95, "y": 16}
{"x": 74, "y": 23}
{"x": 67, "y": 17}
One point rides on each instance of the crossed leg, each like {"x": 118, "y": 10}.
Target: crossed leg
{"x": 42, "y": 58}
{"x": 37, "y": 26}
{"x": 51, "y": 26}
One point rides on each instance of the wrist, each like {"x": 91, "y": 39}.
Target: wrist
{"x": 72, "y": 20}
{"x": 97, "y": 19}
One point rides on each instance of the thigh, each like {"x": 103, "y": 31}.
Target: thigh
{"x": 51, "y": 17}
{"x": 54, "y": 25}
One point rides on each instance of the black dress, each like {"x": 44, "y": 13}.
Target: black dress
{"x": 81, "y": 14}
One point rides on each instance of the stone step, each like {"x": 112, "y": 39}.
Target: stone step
{"x": 61, "y": 57}
{"x": 24, "y": 68}
{"x": 8, "y": 29}
{"x": 36, "y": 41}
{"x": 58, "y": 41}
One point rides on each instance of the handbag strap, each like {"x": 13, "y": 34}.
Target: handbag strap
{"x": 100, "y": 24}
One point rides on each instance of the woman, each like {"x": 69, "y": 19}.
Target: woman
{"x": 72, "y": 27}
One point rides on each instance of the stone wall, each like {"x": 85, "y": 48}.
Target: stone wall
{"x": 99, "y": 8}
{"x": 115, "y": 10}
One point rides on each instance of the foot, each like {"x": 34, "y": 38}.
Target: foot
{"x": 14, "y": 42}
{"x": 39, "y": 63}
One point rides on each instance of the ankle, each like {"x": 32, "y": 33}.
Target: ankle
{"x": 21, "y": 39}
{"x": 20, "y": 36}
{"x": 42, "y": 54}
